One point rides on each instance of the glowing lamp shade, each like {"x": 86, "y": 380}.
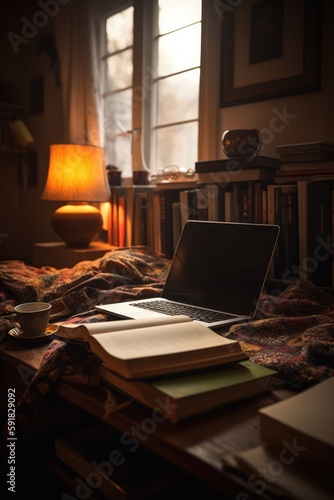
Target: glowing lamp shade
{"x": 77, "y": 175}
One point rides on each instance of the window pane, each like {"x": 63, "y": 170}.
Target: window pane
{"x": 118, "y": 113}
{"x": 118, "y": 152}
{"x": 179, "y": 50}
{"x": 118, "y": 82}
{"x": 176, "y": 144}
{"x": 174, "y": 14}
{"x": 119, "y": 71}
{"x": 120, "y": 30}
{"x": 178, "y": 97}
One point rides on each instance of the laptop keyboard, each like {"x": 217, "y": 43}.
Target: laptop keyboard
{"x": 195, "y": 313}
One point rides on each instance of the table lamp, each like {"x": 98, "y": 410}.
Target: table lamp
{"x": 77, "y": 175}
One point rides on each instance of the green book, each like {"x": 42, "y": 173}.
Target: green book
{"x": 179, "y": 397}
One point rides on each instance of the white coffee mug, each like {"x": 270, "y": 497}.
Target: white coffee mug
{"x": 32, "y": 317}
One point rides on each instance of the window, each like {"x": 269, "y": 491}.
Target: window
{"x": 118, "y": 89}
{"x": 175, "y": 124}
{"x": 151, "y": 101}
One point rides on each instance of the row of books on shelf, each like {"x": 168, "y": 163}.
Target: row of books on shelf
{"x": 305, "y": 179}
{"x": 304, "y": 211}
{"x": 154, "y": 216}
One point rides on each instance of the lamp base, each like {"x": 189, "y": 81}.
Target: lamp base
{"x": 77, "y": 224}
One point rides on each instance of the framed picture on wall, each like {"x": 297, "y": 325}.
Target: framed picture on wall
{"x": 270, "y": 49}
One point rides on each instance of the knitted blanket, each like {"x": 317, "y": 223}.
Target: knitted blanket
{"x": 122, "y": 274}
{"x": 293, "y": 333}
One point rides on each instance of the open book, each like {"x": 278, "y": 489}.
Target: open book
{"x": 155, "y": 346}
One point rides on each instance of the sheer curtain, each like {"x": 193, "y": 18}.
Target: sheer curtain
{"x": 77, "y": 30}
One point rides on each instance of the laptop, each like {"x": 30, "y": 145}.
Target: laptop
{"x": 216, "y": 275}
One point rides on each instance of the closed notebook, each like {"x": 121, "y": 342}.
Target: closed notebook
{"x": 307, "y": 418}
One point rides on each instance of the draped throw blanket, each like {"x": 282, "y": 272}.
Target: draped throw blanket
{"x": 123, "y": 274}
{"x": 293, "y": 332}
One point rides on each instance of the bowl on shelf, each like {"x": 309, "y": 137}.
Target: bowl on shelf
{"x": 242, "y": 143}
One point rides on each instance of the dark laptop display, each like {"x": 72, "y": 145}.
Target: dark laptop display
{"x": 218, "y": 266}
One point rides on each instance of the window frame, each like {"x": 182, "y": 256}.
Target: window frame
{"x": 144, "y": 87}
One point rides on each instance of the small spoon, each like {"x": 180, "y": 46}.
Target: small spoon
{"x": 16, "y": 332}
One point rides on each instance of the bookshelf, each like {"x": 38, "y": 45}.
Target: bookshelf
{"x": 303, "y": 208}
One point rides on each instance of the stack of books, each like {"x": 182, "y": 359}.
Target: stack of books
{"x": 173, "y": 365}
{"x": 237, "y": 169}
{"x": 295, "y": 458}
{"x": 305, "y": 160}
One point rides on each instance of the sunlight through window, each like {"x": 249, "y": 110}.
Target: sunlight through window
{"x": 171, "y": 99}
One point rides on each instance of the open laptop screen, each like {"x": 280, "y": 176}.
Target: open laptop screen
{"x": 221, "y": 266}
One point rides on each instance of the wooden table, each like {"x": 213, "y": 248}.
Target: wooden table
{"x": 57, "y": 254}
{"x": 196, "y": 446}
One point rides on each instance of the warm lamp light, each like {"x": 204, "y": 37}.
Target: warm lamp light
{"x": 77, "y": 175}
